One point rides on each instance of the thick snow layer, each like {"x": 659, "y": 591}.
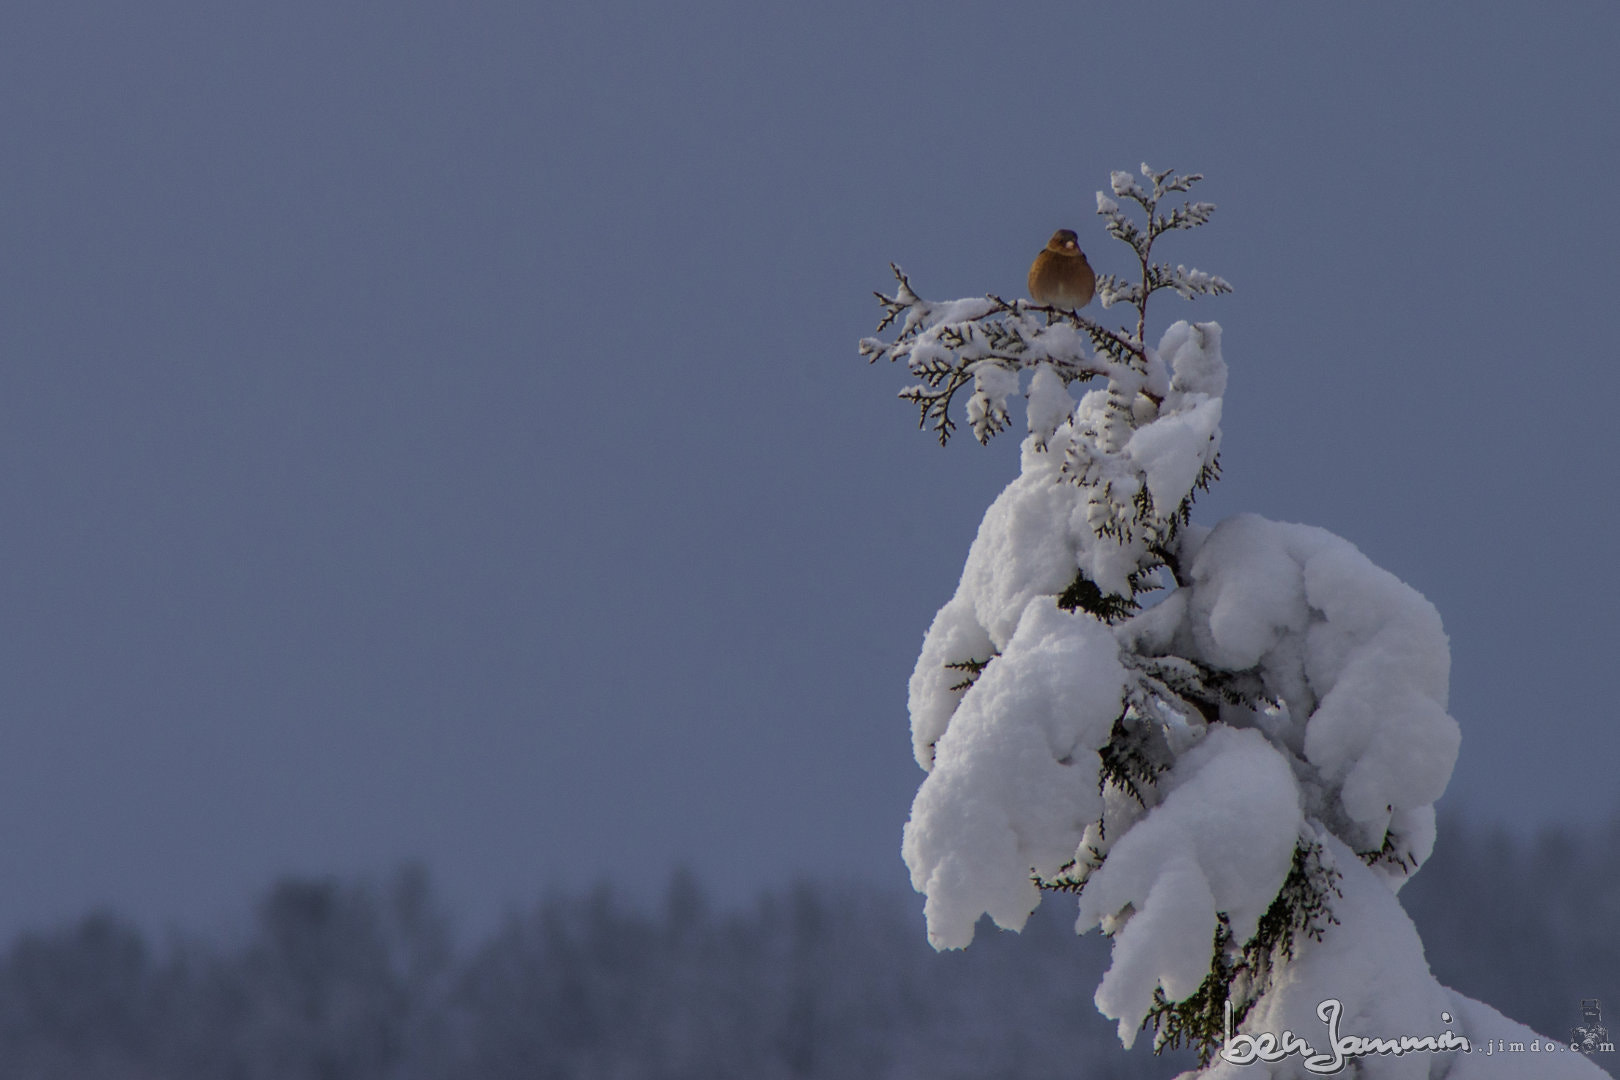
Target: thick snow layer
{"x": 1222, "y": 841}
{"x": 1193, "y": 352}
{"x": 1359, "y": 660}
{"x": 1013, "y": 783}
{"x": 1356, "y": 661}
{"x": 1372, "y": 964}
{"x": 1160, "y": 449}
{"x": 1050, "y": 403}
{"x": 1041, "y": 529}
{"x": 1284, "y": 691}
{"x": 1495, "y": 1053}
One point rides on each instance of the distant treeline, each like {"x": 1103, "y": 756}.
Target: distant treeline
{"x": 355, "y": 981}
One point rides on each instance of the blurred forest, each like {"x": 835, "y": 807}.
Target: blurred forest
{"x": 337, "y": 980}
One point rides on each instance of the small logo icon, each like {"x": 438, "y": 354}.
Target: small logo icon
{"x": 1591, "y": 1036}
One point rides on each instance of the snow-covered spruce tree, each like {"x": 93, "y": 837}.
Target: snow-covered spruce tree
{"x": 1226, "y": 742}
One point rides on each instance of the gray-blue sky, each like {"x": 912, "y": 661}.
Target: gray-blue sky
{"x": 438, "y": 431}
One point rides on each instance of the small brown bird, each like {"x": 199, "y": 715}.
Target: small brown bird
{"x": 1060, "y": 277}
